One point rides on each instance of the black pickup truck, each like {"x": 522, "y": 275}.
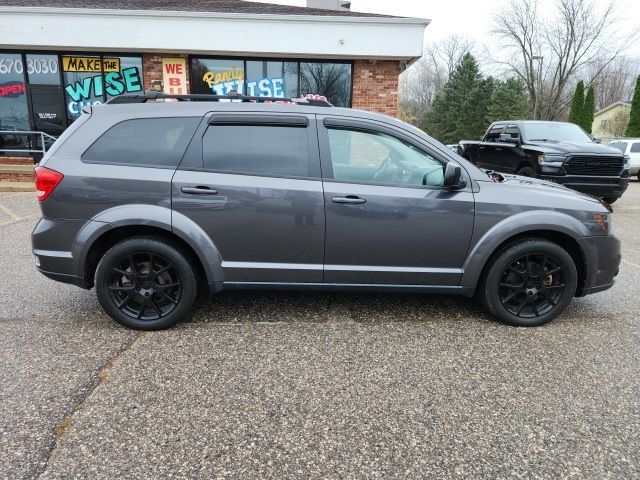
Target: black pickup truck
{"x": 555, "y": 151}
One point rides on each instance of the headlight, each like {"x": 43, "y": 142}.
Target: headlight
{"x": 601, "y": 224}
{"x": 626, "y": 162}
{"x": 552, "y": 160}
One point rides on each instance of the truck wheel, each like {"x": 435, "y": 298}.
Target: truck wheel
{"x": 526, "y": 172}
{"x": 610, "y": 200}
{"x": 145, "y": 284}
{"x": 529, "y": 283}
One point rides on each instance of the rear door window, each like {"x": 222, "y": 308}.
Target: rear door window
{"x": 257, "y": 149}
{"x": 513, "y": 131}
{"x": 147, "y": 142}
{"x": 493, "y": 135}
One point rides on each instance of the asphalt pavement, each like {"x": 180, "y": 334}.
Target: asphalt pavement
{"x": 315, "y": 385}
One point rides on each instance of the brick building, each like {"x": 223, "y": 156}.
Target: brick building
{"x": 58, "y": 56}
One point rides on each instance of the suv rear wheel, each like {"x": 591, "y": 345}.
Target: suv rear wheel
{"x": 145, "y": 284}
{"x": 529, "y": 283}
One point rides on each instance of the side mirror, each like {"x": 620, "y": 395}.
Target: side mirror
{"x": 452, "y": 175}
{"x": 507, "y": 138}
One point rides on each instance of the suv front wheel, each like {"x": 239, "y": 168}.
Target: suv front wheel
{"x": 145, "y": 284}
{"x": 529, "y": 283}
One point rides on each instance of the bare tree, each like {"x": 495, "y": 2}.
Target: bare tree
{"x": 613, "y": 81}
{"x": 420, "y": 83}
{"x": 547, "y": 53}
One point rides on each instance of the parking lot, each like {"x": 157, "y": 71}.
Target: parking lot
{"x": 310, "y": 385}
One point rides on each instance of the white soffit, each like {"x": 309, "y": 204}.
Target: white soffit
{"x": 305, "y": 36}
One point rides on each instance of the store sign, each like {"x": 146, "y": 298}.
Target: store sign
{"x": 12, "y": 89}
{"x": 90, "y": 64}
{"x": 113, "y": 83}
{"x": 223, "y": 83}
{"x": 174, "y": 76}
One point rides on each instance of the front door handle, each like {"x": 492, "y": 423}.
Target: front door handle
{"x": 350, "y": 199}
{"x": 200, "y": 190}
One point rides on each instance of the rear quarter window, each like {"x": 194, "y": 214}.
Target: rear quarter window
{"x": 149, "y": 142}
{"x": 622, "y": 146}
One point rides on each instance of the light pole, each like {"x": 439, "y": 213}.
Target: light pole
{"x": 536, "y": 107}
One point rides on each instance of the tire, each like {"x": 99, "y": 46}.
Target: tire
{"x": 610, "y": 200}
{"x": 526, "y": 172}
{"x": 144, "y": 301}
{"x": 538, "y": 300}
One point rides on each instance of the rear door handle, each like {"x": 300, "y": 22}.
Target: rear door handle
{"x": 350, "y": 199}
{"x": 200, "y": 190}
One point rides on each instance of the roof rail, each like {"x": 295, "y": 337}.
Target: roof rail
{"x": 152, "y": 95}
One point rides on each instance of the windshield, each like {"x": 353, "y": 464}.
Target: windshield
{"x": 553, "y": 132}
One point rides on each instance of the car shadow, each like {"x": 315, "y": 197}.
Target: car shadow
{"x": 315, "y": 307}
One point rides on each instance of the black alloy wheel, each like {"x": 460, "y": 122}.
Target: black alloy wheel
{"x": 145, "y": 284}
{"x": 532, "y": 285}
{"x": 529, "y": 282}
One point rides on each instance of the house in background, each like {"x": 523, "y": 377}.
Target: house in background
{"x": 611, "y": 121}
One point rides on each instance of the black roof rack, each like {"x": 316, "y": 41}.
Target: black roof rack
{"x": 152, "y": 95}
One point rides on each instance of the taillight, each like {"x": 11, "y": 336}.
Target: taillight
{"x": 46, "y": 181}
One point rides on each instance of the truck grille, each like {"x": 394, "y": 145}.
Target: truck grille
{"x": 594, "y": 165}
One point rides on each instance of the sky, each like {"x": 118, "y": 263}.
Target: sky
{"x": 472, "y": 18}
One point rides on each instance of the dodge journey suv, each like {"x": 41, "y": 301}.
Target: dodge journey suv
{"x": 151, "y": 201}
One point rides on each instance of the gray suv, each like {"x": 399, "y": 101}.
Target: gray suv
{"x": 152, "y": 201}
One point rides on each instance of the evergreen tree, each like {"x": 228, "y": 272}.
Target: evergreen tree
{"x": 509, "y": 102}
{"x": 460, "y": 108}
{"x": 588, "y": 109}
{"x": 633, "y": 129}
{"x": 577, "y": 105}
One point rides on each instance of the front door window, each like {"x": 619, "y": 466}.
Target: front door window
{"x": 374, "y": 157}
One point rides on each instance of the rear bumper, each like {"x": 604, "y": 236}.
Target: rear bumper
{"x": 59, "y": 249}
{"x": 64, "y": 278}
{"x": 596, "y": 186}
{"x": 602, "y": 255}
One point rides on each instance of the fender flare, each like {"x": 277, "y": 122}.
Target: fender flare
{"x": 152, "y": 216}
{"x": 529, "y": 221}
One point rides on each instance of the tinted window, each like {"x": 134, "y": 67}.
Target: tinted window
{"x": 635, "y": 148}
{"x": 493, "y": 135}
{"x": 256, "y": 149}
{"x": 157, "y": 142}
{"x": 378, "y": 158}
{"x": 622, "y": 146}
{"x": 513, "y": 131}
{"x": 555, "y": 132}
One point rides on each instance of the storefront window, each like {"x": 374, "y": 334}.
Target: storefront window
{"x": 218, "y": 77}
{"x": 272, "y": 79}
{"x": 43, "y": 69}
{"x": 14, "y": 113}
{"x": 333, "y": 80}
{"x": 127, "y": 80}
{"x": 88, "y": 80}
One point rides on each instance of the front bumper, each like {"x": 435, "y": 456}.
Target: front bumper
{"x": 602, "y": 263}
{"x": 596, "y": 186}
